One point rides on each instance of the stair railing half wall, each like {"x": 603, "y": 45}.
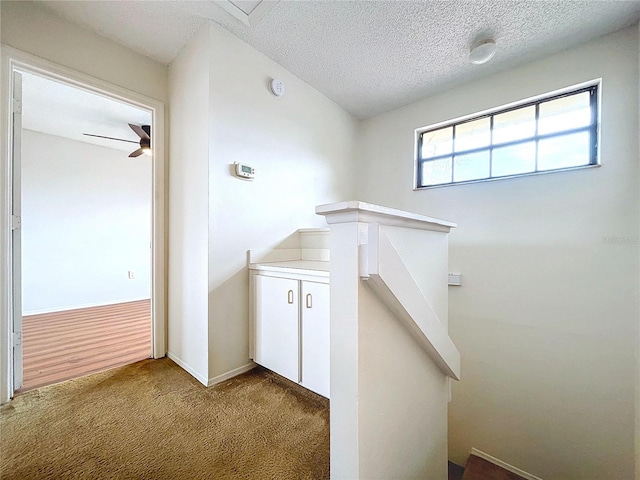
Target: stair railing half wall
{"x": 391, "y": 356}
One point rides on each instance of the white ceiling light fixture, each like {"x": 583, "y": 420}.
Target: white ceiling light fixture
{"x": 482, "y": 51}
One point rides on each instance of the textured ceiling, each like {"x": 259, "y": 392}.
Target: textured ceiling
{"x": 58, "y": 109}
{"x": 367, "y": 56}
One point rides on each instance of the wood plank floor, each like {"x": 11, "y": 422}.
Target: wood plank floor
{"x": 63, "y": 345}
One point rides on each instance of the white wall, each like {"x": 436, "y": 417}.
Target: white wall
{"x": 547, "y": 318}
{"x": 402, "y": 399}
{"x": 302, "y": 148}
{"x": 188, "y": 207}
{"x": 32, "y": 28}
{"x": 86, "y": 222}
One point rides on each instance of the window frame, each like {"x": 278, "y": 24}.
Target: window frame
{"x": 594, "y": 87}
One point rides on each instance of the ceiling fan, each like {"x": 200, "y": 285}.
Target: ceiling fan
{"x": 144, "y": 132}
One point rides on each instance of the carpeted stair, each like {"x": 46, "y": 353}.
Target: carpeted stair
{"x": 478, "y": 468}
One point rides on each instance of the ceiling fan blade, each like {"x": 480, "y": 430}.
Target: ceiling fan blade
{"x": 109, "y": 138}
{"x": 141, "y": 133}
{"x": 137, "y": 153}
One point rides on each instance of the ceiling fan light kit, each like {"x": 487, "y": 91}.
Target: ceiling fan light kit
{"x": 482, "y": 51}
{"x": 144, "y": 132}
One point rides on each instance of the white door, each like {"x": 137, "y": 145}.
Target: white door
{"x": 277, "y": 325}
{"x": 16, "y": 231}
{"x": 315, "y": 337}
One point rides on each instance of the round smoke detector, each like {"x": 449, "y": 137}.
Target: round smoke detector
{"x": 277, "y": 87}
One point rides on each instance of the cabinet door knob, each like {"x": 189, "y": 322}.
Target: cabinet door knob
{"x": 309, "y": 300}
{"x": 290, "y": 296}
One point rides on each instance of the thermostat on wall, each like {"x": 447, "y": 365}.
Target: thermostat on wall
{"x": 245, "y": 171}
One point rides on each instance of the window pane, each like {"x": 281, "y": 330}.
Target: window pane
{"x": 566, "y": 151}
{"x": 564, "y": 114}
{"x": 472, "y": 166}
{"x": 436, "y": 172}
{"x": 474, "y": 134}
{"x": 513, "y": 160}
{"x": 514, "y": 125}
{"x": 437, "y": 142}
{"x": 530, "y": 137}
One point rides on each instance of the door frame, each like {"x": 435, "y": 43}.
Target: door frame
{"x": 16, "y": 60}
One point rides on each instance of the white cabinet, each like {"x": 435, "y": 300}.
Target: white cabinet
{"x": 277, "y": 325}
{"x": 314, "y": 335}
{"x": 291, "y": 323}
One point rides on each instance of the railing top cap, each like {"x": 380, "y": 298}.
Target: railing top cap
{"x": 356, "y": 211}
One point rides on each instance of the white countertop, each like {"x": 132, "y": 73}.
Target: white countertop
{"x": 308, "y": 267}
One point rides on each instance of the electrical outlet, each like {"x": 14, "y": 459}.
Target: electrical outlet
{"x": 132, "y": 275}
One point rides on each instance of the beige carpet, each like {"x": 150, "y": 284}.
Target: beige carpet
{"x": 151, "y": 420}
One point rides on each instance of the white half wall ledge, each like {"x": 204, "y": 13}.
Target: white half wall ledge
{"x": 356, "y": 211}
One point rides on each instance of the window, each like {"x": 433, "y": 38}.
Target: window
{"x": 557, "y": 132}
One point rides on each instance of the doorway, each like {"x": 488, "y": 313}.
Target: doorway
{"x": 89, "y": 231}
{"x": 85, "y": 233}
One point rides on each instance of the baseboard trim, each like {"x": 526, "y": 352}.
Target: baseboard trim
{"x": 504, "y": 465}
{"x": 230, "y": 374}
{"x": 188, "y": 368}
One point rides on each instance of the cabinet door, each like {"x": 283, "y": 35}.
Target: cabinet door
{"x": 315, "y": 337}
{"x": 277, "y": 311}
